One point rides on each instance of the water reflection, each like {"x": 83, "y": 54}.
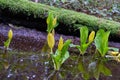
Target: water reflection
{"x": 85, "y": 69}
{"x": 37, "y": 66}
{"x": 94, "y": 68}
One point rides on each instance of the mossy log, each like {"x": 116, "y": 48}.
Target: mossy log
{"x": 68, "y": 19}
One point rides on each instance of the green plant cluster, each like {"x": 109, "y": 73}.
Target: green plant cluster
{"x": 86, "y": 39}
{"x": 62, "y": 54}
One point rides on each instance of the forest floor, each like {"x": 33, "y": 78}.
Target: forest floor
{"x": 108, "y": 9}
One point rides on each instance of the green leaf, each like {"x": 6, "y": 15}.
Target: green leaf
{"x": 56, "y": 59}
{"x": 85, "y": 73}
{"x": 60, "y": 56}
{"x": 65, "y": 57}
{"x": 50, "y": 25}
{"x": 7, "y": 43}
{"x": 83, "y": 48}
{"x": 77, "y": 46}
{"x": 101, "y": 41}
{"x": 65, "y": 46}
{"x": 83, "y": 35}
{"x": 105, "y": 42}
{"x": 101, "y": 68}
{"x": 97, "y": 71}
{"x": 73, "y": 45}
{"x": 98, "y": 40}
{"x": 86, "y": 76}
{"x": 49, "y": 22}
{"x": 114, "y": 49}
{"x": 106, "y": 71}
{"x": 81, "y": 68}
{"x": 97, "y": 74}
{"x": 83, "y": 39}
{"x": 64, "y": 51}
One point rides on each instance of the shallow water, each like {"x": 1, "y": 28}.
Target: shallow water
{"x": 18, "y": 65}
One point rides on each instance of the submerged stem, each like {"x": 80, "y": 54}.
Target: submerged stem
{"x": 78, "y": 59}
{"x": 51, "y": 52}
{"x": 53, "y": 75}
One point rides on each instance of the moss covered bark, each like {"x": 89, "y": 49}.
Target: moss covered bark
{"x": 67, "y": 17}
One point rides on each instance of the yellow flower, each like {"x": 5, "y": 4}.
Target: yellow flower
{"x": 112, "y": 53}
{"x": 50, "y": 40}
{"x": 118, "y": 58}
{"x": 60, "y": 44}
{"x": 10, "y": 34}
{"x": 91, "y": 36}
{"x": 54, "y": 21}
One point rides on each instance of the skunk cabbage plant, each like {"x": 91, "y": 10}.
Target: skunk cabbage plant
{"x": 51, "y": 22}
{"x": 101, "y": 41}
{"x": 61, "y": 54}
{"x": 83, "y": 40}
{"x": 7, "y": 42}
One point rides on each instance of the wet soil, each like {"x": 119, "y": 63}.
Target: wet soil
{"x": 33, "y": 40}
{"x": 28, "y": 39}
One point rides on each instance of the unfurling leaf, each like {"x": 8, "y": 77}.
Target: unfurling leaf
{"x": 51, "y": 22}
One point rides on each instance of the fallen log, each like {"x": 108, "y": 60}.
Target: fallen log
{"x": 69, "y": 21}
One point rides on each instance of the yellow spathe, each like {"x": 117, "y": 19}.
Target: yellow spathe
{"x": 60, "y": 44}
{"x": 10, "y": 34}
{"x": 50, "y": 40}
{"x": 91, "y": 36}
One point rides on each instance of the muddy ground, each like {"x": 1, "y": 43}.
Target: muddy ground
{"x": 32, "y": 39}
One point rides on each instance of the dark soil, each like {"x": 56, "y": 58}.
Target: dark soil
{"x": 28, "y": 39}
{"x": 33, "y": 40}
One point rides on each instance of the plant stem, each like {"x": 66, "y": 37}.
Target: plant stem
{"x": 5, "y": 56}
{"x": 53, "y": 75}
{"x": 51, "y": 51}
{"x": 78, "y": 59}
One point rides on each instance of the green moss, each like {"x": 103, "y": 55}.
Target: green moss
{"x": 68, "y": 17}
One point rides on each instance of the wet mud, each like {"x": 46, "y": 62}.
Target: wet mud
{"x": 29, "y": 39}
{"x": 32, "y": 40}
